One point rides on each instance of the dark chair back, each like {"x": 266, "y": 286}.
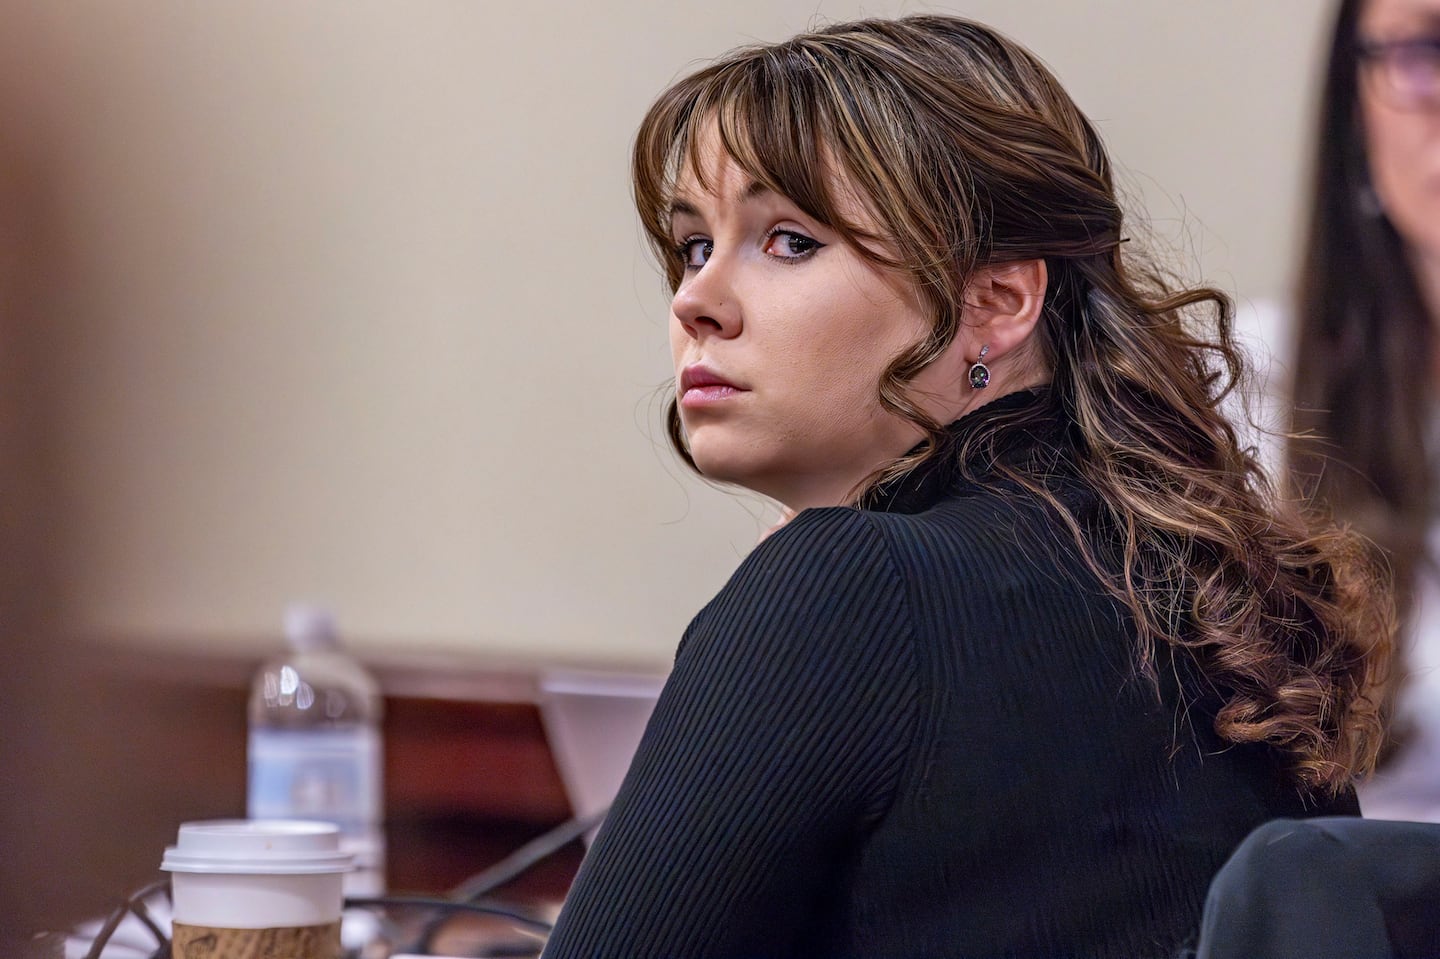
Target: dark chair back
{"x": 1327, "y": 888}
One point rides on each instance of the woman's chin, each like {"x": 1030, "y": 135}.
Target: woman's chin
{"x": 720, "y": 469}
{"x": 725, "y": 462}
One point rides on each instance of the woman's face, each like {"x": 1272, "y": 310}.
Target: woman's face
{"x": 780, "y": 333}
{"x": 1402, "y": 125}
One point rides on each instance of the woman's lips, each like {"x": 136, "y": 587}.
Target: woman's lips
{"x": 700, "y": 386}
{"x": 698, "y": 396}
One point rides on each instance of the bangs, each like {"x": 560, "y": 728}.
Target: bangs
{"x": 782, "y": 115}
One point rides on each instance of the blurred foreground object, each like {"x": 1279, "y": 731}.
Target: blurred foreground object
{"x": 315, "y": 743}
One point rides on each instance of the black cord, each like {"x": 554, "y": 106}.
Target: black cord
{"x": 107, "y": 929}
{"x": 142, "y": 912}
{"x": 509, "y": 868}
{"x": 537, "y": 849}
{"x": 132, "y": 903}
{"x": 449, "y": 905}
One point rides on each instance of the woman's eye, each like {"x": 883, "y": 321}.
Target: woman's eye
{"x": 693, "y": 252}
{"x": 790, "y": 245}
{"x": 1419, "y": 62}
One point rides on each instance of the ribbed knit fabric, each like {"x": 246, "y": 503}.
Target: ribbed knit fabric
{"x": 917, "y": 731}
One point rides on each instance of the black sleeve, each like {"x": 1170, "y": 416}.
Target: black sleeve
{"x": 777, "y": 740}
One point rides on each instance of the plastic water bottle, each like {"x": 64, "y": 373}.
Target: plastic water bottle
{"x": 314, "y": 749}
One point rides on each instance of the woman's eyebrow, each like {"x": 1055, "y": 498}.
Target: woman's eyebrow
{"x": 680, "y": 207}
{"x": 754, "y": 190}
{"x": 1424, "y": 21}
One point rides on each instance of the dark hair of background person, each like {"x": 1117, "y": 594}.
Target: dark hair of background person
{"x": 1362, "y": 375}
{"x": 1283, "y": 620}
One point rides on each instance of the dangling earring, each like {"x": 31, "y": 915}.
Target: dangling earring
{"x": 979, "y": 372}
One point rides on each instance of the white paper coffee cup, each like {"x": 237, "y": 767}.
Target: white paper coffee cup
{"x": 258, "y": 874}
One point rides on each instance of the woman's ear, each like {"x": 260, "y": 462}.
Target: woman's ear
{"x": 1001, "y": 308}
{"x": 1002, "y": 305}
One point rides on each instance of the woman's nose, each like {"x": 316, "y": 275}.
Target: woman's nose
{"x": 706, "y": 304}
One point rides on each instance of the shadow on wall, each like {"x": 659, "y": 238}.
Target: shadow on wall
{"x": 76, "y": 786}
{"x": 104, "y": 751}
{"x": 35, "y": 706}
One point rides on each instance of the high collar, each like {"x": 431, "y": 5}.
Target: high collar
{"x": 1020, "y": 428}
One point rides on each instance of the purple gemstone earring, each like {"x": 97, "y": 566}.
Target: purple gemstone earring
{"x": 979, "y": 372}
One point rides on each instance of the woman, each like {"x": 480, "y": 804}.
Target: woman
{"x": 1366, "y": 360}
{"x": 1033, "y": 655}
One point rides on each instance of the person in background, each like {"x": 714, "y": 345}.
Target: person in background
{"x": 1367, "y": 355}
{"x": 1036, "y": 649}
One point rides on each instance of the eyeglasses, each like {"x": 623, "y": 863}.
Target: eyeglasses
{"x": 1408, "y": 70}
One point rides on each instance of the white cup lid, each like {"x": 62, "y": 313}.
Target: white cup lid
{"x": 270, "y": 847}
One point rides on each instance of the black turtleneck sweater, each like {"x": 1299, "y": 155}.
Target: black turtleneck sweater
{"x": 917, "y": 730}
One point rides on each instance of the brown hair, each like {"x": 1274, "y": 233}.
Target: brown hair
{"x": 1363, "y": 385}
{"x": 1362, "y": 379}
{"x": 967, "y": 151}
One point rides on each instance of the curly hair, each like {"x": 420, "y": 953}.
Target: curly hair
{"x": 1364, "y": 347}
{"x": 966, "y": 151}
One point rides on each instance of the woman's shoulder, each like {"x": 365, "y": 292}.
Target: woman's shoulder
{"x": 978, "y": 540}
{"x": 971, "y": 551}
{"x": 863, "y": 542}
{"x": 831, "y": 546}
{"x": 828, "y": 572}
{"x": 821, "y": 596}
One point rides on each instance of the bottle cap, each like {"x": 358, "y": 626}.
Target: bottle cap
{"x": 310, "y": 627}
{"x": 270, "y": 847}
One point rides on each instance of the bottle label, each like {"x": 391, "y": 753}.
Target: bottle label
{"x": 331, "y": 775}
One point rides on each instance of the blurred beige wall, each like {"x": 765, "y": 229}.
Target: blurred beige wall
{"x": 344, "y": 299}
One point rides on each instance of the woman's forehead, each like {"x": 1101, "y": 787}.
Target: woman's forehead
{"x": 705, "y": 166}
{"x": 1388, "y": 18}
{"x": 710, "y": 168}
{"x": 708, "y": 162}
